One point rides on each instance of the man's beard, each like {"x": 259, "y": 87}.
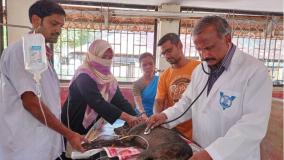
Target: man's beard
{"x": 173, "y": 61}
{"x": 54, "y": 37}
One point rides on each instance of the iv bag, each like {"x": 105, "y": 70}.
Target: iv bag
{"x": 34, "y": 53}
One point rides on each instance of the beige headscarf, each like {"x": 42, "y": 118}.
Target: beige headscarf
{"x": 96, "y": 52}
{"x": 95, "y": 63}
{"x": 99, "y": 70}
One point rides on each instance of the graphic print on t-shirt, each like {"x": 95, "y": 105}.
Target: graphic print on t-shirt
{"x": 177, "y": 87}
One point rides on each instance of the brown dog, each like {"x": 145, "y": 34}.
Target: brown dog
{"x": 160, "y": 144}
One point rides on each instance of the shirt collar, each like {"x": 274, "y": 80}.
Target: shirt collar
{"x": 228, "y": 57}
{"x": 49, "y": 52}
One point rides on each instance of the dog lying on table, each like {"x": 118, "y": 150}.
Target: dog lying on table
{"x": 160, "y": 144}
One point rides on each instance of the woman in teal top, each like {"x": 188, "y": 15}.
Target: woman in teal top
{"x": 144, "y": 89}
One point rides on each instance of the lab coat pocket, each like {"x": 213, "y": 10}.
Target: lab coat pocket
{"x": 229, "y": 103}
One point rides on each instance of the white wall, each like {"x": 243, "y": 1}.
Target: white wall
{"x": 166, "y": 26}
{"x": 17, "y": 14}
{"x": 250, "y": 5}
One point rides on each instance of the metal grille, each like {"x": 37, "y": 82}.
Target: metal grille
{"x": 129, "y": 37}
{"x": 258, "y": 35}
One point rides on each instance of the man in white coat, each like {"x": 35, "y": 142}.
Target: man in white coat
{"x": 231, "y": 115}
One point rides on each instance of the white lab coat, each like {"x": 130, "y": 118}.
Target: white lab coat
{"x": 22, "y": 136}
{"x": 233, "y": 133}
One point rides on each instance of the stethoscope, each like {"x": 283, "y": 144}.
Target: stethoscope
{"x": 209, "y": 73}
{"x": 147, "y": 131}
{"x": 205, "y": 86}
{"x": 206, "y": 72}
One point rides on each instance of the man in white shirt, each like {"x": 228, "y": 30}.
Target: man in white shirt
{"x": 27, "y": 132}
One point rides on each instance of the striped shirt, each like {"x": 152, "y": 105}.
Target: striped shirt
{"x": 216, "y": 72}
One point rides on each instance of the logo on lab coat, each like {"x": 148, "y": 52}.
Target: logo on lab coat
{"x": 225, "y": 100}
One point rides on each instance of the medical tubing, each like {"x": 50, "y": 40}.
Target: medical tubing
{"x": 208, "y": 73}
{"x": 123, "y": 137}
{"x": 144, "y": 139}
{"x": 37, "y": 79}
{"x": 68, "y": 100}
{"x": 2, "y": 86}
{"x": 189, "y": 105}
{"x": 102, "y": 157}
{"x": 60, "y": 157}
{"x": 38, "y": 97}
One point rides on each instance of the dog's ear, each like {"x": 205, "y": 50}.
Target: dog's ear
{"x": 123, "y": 130}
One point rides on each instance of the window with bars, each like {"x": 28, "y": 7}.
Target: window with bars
{"x": 128, "y": 36}
{"x": 258, "y": 35}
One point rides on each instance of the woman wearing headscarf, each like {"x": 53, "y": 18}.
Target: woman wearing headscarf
{"x": 94, "y": 93}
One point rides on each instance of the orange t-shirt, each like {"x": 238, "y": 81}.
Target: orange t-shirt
{"x": 172, "y": 83}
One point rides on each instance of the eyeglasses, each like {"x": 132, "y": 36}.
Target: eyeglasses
{"x": 164, "y": 53}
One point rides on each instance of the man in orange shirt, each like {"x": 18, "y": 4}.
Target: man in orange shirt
{"x": 174, "y": 80}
